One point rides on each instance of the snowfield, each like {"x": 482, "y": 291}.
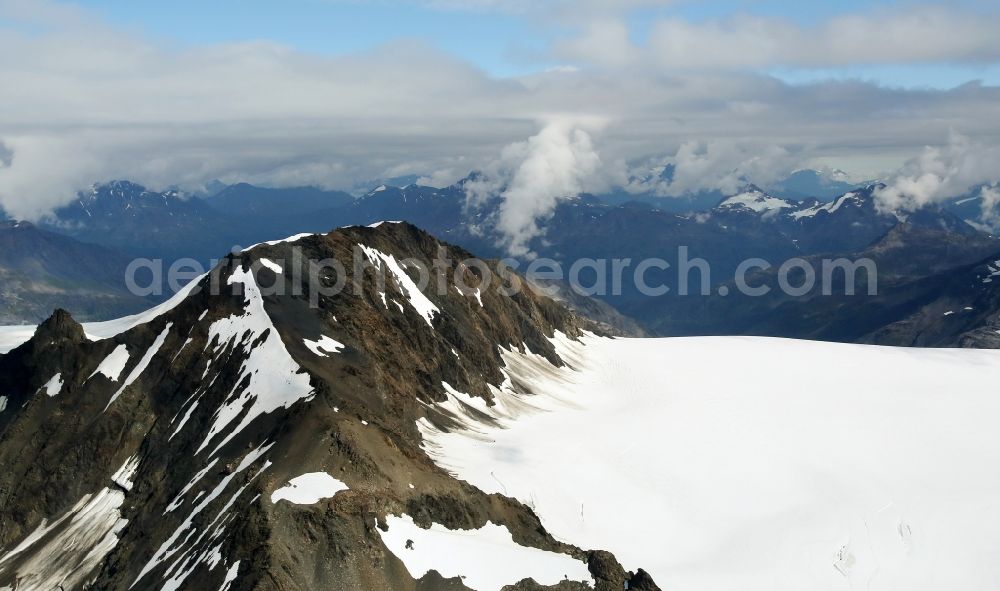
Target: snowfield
{"x": 14, "y": 336}
{"x": 724, "y": 463}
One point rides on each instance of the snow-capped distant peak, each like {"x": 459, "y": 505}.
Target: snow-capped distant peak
{"x": 755, "y": 200}
{"x": 379, "y": 189}
{"x": 849, "y": 199}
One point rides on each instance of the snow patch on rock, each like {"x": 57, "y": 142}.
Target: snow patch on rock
{"x": 125, "y": 476}
{"x": 309, "y": 489}
{"x": 323, "y": 346}
{"x": 98, "y": 331}
{"x": 756, "y": 201}
{"x": 114, "y": 364}
{"x": 993, "y": 270}
{"x": 288, "y": 240}
{"x": 191, "y": 550}
{"x": 414, "y": 296}
{"x": 142, "y": 365}
{"x": 54, "y": 386}
{"x": 273, "y": 266}
{"x": 230, "y": 576}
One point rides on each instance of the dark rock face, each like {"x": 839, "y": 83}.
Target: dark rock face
{"x": 608, "y": 574}
{"x": 147, "y": 460}
{"x": 641, "y": 581}
{"x": 955, "y": 308}
{"x": 61, "y": 326}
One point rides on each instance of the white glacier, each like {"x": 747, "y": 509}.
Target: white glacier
{"x": 723, "y": 463}
{"x": 63, "y": 554}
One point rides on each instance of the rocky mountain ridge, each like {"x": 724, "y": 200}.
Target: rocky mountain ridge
{"x": 159, "y": 451}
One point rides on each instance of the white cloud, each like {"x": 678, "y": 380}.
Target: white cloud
{"x": 904, "y": 35}
{"x": 603, "y": 42}
{"x": 444, "y": 177}
{"x": 720, "y": 165}
{"x": 991, "y": 207}
{"x": 47, "y": 13}
{"x": 533, "y": 176}
{"x": 942, "y": 172}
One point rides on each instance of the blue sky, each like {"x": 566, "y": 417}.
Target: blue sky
{"x": 502, "y": 42}
{"x": 495, "y": 41}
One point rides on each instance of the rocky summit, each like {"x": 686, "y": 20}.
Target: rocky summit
{"x": 259, "y": 431}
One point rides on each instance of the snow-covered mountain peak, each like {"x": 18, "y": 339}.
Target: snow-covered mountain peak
{"x": 752, "y": 198}
{"x": 851, "y": 199}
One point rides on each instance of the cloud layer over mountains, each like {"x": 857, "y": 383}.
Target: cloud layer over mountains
{"x": 86, "y": 102}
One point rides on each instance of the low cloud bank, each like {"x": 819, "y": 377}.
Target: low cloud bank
{"x": 939, "y": 173}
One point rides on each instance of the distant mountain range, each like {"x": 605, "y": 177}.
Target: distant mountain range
{"x": 800, "y": 185}
{"x": 171, "y": 224}
{"x": 754, "y": 222}
{"x": 848, "y": 222}
{"x": 128, "y": 217}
